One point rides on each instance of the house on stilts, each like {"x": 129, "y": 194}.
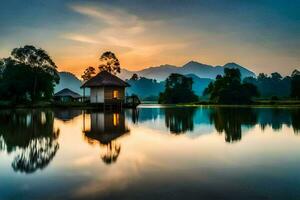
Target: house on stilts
{"x": 106, "y": 89}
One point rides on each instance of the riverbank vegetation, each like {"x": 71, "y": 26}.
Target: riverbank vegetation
{"x": 178, "y": 89}
{"x": 229, "y": 89}
{"x": 28, "y": 75}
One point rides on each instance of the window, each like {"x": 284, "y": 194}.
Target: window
{"x": 116, "y": 119}
{"x": 115, "y": 94}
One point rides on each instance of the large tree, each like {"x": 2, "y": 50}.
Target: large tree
{"x": 29, "y": 71}
{"x": 88, "y": 73}
{"x": 134, "y": 77}
{"x": 178, "y": 89}
{"x": 110, "y": 63}
{"x": 228, "y": 89}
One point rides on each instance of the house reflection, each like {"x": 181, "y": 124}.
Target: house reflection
{"x": 66, "y": 115}
{"x": 105, "y": 129}
{"x": 31, "y": 135}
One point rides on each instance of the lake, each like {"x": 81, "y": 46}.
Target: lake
{"x": 150, "y": 153}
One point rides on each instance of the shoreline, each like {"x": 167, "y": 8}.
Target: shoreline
{"x": 79, "y": 105}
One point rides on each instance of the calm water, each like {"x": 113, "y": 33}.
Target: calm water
{"x": 150, "y": 153}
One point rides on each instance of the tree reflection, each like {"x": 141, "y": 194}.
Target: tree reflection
{"x": 230, "y": 121}
{"x": 296, "y": 120}
{"x": 180, "y": 120}
{"x": 105, "y": 129}
{"x": 31, "y": 136}
{"x": 111, "y": 152}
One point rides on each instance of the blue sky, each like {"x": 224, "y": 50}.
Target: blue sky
{"x": 262, "y": 35}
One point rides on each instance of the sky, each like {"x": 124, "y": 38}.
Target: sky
{"x": 262, "y": 35}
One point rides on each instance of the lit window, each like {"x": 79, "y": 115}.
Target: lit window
{"x": 116, "y": 119}
{"x": 115, "y": 94}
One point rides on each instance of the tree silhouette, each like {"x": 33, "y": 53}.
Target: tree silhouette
{"x": 267, "y": 84}
{"x": 134, "y": 77}
{"x": 295, "y": 85}
{"x": 178, "y": 89}
{"x": 33, "y": 68}
{"x": 88, "y": 73}
{"x": 228, "y": 89}
{"x": 109, "y": 63}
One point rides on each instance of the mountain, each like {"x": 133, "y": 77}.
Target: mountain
{"x": 145, "y": 87}
{"x": 161, "y": 72}
{"x": 202, "y": 75}
{"x": 199, "y": 84}
{"x": 68, "y": 80}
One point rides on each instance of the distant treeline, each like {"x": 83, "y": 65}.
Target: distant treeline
{"x": 275, "y": 85}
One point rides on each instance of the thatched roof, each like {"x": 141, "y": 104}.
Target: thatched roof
{"x": 105, "y": 78}
{"x": 67, "y": 93}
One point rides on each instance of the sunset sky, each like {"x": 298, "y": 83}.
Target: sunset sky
{"x": 263, "y": 35}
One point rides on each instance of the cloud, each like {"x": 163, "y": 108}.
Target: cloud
{"x": 108, "y": 15}
{"x": 80, "y": 38}
{"x": 122, "y": 30}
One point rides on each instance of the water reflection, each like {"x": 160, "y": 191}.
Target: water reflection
{"x": 67, "y": 114}
{"x": 105, "y": 129}
{"x": 180, "y": 120}
{"x": 31, "y": 136}
{"x": 296, "y": 120}
{"x": 231, "y": 120}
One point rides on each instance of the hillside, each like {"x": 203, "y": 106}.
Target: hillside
{"x": 152, "y": 81}
{"x": 68, "y": 80}
{"x": 145, "y": 87}
{"x": 160, "y": 73}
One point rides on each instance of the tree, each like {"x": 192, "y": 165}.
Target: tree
{"x": 228, "y": 89}
{"x": 276, "y": 76}
{"x": 109, "y": 63}
{"x": 134, "y": 77}
{"x": 34, "y": 70}
{"x": 295, "y": 84}
{"x": 178, "y": 89}
{"x": 88, "y": 73}
{"x": 271, "y": 86}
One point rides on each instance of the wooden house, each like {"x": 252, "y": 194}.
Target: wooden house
{"x": 106, "y": 88}
{"x": 67, "y": 95}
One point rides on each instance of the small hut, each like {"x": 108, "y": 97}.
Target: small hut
{"x": 67, "y": 95}
{"x": 106, "y": 88}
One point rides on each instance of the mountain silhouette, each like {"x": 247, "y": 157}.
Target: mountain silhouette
{"x": 160, "y": 73}
{"x": 68, "y": 80}
{"x": 153, "y": 80}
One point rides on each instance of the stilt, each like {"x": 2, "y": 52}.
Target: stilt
{"x": 83, "y": 120}
{"x": 83, "y": 94}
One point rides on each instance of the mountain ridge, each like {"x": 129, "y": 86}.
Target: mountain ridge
{"x": 161, "y": 72}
